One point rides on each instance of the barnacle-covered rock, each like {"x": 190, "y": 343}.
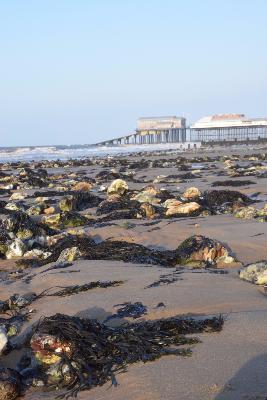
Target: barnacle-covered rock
{"x": 71, "y": 254}
{"x": 118, "y": 186}
{"x": 49, "y": 349}
{"x": 198, "y": 249}
{"x": 16, "y": 249}
{"x": 184, "y": 209}
{"x": 68, "y": 203}
{"x": 10, "y": 384}
{"x": 3, "y": 339}
{"x": 246, "y": 212}
{"x": 255, "y": 273}
{"x": 192, "y": 193}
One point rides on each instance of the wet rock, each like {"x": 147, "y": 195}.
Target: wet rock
{"x": 148, "y": 210}
{"x": 18, "y": 196}
{"x": 10, "y": 384}
{"x": 68, "y": 203}
{"x": 79, "y": 201}
{"x": 118, "y": 186}
{"x": 21, "y": 301}
{"x": 3, "y": 339}
{"x": 14, "y": 206}
{"x": 255, "y": 273}
{"x": 192, "y": 193}
{"x": 82, "y": 186}
{"x": 246, "y": 213}
{"x": 171, "y": 203}
{"x": 20, "y": 221}
{"x": 65, "y": 220}
{"x": 36, "y": 209}
{"x": 16, "y": 249}
{"x": 191, "y": 208}
{"x": 70, "y": 255}
{"x": 198, "y": 249}
{"x": 49, "y": 210}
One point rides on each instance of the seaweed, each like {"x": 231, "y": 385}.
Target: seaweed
{"x": 215, "y": 199}
{"x": 75, "y": 289}
{"x": 108, "y": 206}
{"x": 133, "y": 252}
{"x": 17, "y": 301}
{"x": 233, "y": 183}
{"x": 97, "y": 352}
{"x": 166, "y": 279}
{"x": 129, "y": 310}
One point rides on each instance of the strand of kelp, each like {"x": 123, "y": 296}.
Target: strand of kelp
{"x": 96, "y": 352}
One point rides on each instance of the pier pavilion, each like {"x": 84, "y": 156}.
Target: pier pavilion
{"x": 228, "y": 128}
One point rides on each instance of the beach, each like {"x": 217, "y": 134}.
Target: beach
{"x": 226, "y": 365}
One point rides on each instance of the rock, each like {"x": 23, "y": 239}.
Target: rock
{"x": 246, "y": 213}
{"x": 71, "y": 254}
{"x": 82, "y": 186}
{"x": 255, "y": 273}
{"x": 16, "y": 249}
{"x": 263, "y": 211}
{"x": 51, "y": 220}
{"x": 13, "y": 207}
{"x": 171, "y": 203}
{"x": 9, "y": 384}
{"x": 68, "y": 203}
{"x": 18, "y": 196}
{"x": 187, "y": 208}
{"x": 192, "y": 193}
{"x": 118, "y": 186}
{"x": 49, "y": 210}
{"x": 42, "y": 199}
{"x": 36, "y": 209}
{"x": 145, "y": 197}
{"x": 3, "y": 339}
{"x": 198, "y": 249}
{"x": 48, "y": 349}
{"x": 148, "y": 210}
{"x": 21, "y": 301}
{"x": 37, "y": 254}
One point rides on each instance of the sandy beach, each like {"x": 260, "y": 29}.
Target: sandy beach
{"x": 226, "y": 365}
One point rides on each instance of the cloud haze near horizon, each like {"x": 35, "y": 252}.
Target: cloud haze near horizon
{"x": 84, "y": 71}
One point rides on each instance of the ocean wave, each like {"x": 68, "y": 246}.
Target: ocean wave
{"x": 64, "y": 153}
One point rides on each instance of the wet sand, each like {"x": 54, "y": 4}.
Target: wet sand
{"x": 230, "y": 365}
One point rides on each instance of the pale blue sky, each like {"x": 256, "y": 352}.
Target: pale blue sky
{"x": 77, "y": 71}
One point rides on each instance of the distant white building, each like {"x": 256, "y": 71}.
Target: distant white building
{"x": 229, "y": 127}
{"x": 162, "y": 129}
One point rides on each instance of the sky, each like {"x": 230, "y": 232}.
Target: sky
{"x": 82, "y": 71}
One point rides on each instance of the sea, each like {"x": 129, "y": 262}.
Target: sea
{"x": 35, "y": 153}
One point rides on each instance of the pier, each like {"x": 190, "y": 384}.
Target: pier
{"x": 222, "y": 128}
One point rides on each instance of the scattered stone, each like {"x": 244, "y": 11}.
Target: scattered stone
{"x": 118, "y": 186}
{"x": 183, "y": 209}
{"x": 192, "y": 193}
{"x": 198, "y": 249}
{"x": 255, "y": 273}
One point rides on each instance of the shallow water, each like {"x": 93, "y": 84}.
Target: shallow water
{"x": 64, "y": 153}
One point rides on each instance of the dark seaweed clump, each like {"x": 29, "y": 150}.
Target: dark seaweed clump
{"x": 215, "y": 199}
{"x": 129, "y": 310}
{"x": 99, "y": 352}
{"x": 233, "y": 183}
